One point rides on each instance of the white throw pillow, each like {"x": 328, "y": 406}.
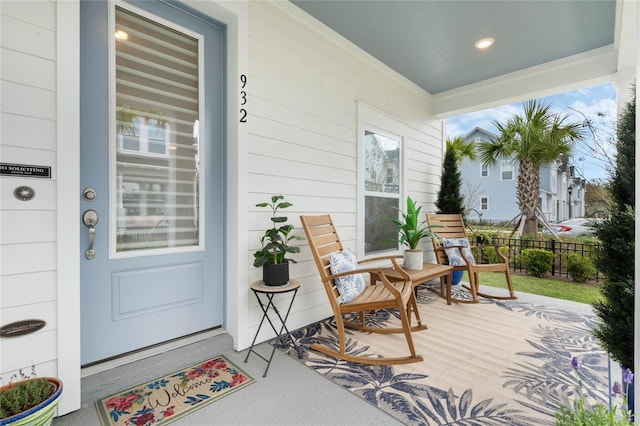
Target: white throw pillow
{"x": 455, "y": 258}
{"x": 350, "y": 286}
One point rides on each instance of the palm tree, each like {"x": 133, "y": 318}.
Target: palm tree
{"x": 538, "y": 136}
{"x": 461, "y": 148}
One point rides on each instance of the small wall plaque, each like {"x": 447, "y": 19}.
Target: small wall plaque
{"x": 19, "y": 328}
{"x": 25, "y": 170}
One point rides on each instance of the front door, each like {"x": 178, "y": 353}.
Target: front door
{"x": 152, "y": 108}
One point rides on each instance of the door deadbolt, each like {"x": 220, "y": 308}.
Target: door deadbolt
{"x": 90, "y": 219}
{"x": 89, "y": 194}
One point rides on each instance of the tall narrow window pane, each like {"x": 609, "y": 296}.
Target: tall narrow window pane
{"x": 484, "y": 203}
{"x": 157, "y": 104}
{"x": 382, "y": 164}
{"x": 380, "y": 233}
{"x": 382, "y": 191}
{"x": 506, "y": 170}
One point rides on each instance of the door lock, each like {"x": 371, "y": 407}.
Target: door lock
{"x": 89, "y": 194}
{"x": 90, "y": 219}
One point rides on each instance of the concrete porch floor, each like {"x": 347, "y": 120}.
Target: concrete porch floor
{"x": 291, "y": 394}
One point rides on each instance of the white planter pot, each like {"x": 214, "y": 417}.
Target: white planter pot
{"x": 413, "y": 260}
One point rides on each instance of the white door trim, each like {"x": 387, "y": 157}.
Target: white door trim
{"x": 236, "y": 16}
{"x": 68, "y": 208}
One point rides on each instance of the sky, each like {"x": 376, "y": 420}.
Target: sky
{"x": 592, "y": 156}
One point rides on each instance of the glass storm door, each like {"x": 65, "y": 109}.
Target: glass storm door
{"x": 151, "y": 175}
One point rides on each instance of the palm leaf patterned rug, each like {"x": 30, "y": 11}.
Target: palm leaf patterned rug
{"x": 492, "y": 363}
{"x": 173, "y": 396}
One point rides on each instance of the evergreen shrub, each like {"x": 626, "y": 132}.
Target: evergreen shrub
{"x": 580, "y": 268}
{"x": 538, "y": 262}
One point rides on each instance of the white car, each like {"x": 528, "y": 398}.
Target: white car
{"x": 575, "y": 226}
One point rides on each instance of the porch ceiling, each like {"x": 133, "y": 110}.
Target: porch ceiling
{"x": 431, "y": 42}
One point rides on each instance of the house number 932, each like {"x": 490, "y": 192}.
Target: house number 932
{"x": 243, "y": 98}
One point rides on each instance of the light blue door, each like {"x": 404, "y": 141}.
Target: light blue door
{"x": 152, "y": 108}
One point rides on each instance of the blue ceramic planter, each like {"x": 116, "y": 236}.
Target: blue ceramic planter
{"x": 457, "y": 277}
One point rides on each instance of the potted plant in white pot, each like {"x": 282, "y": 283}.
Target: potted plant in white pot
{"x": 411, "y": 231}
{"x": 30, "y": 401}
{"x": 275, "y": 245}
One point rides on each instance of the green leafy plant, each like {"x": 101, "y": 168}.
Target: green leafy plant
{"x": 489, "y": 254}
{"x": 275, "y": 241}
{"x": 580, "y": 268}
{"x": 410, "y": 228}
{"x": 25, "y": 394}
{"x": 597, "y": 415}
{"x": 538, "y": 262}
{"x": 483, "y": 236}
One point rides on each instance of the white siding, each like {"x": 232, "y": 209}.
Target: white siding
{"x": 28, "y": 240}
{"x": 304, "y": 88}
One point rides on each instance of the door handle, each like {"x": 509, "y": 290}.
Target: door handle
{"x": 90, "y": 218}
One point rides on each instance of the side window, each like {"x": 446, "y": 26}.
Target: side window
{"x": 506, "y": 170}
{"x": 381, "y": 191}
{"x": 484, "y": 203}
{"x": 484, "y": 171}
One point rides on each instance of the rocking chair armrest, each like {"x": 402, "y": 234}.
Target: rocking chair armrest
{"x": 381, "y": 258}
{"x": 353, "y": 272}
{"x": 396, "y": 266}
{"x": 379, "y": 272}
{"x": 503, "y": 258}
{"x": 400, "y": 269}
{"x": 375, "y": 270}
{"x": 385, "y": 281}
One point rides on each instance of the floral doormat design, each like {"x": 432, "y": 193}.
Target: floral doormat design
{"x": 168, "y": 398}
{"x": 492, "y": 363}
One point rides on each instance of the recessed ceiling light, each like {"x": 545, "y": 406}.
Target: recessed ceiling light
{"x": 484, "y": 43}
{"x": 121, "y": 35}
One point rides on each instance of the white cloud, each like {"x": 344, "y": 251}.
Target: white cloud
{"x": 463, "y": 124}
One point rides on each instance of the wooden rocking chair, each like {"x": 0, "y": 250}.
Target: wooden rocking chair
{"x": 450, "y": 226}
{"x": 323, "y": 241}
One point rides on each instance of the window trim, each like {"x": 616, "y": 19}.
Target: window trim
{"x": 372, "y": 120}
{"x": 484, "y": 168}
{"x": 483, "y": 197}
{"x": 502, "y": 164}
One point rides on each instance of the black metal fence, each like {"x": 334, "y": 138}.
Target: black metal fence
{"x": 559, "y": 248}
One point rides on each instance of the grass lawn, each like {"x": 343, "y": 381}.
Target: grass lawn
{"x": 583, "y": 293}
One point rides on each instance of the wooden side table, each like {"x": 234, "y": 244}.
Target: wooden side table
{"x": 429, "y": 271}
{"x": 259, "y": 288}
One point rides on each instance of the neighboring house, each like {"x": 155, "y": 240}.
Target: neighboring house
{"x": 144, "y": 230}
{"x": 491, "y": 191}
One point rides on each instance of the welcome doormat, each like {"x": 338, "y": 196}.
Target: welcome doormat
{"x": 495, "y": 362}
{"x": 175, "y": 395}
